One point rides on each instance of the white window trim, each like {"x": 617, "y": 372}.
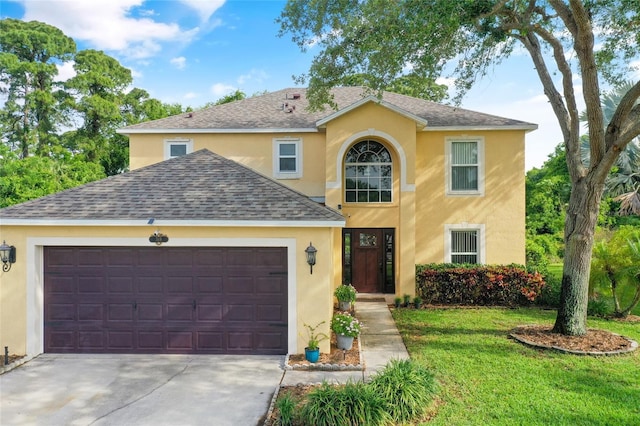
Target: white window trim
{"x": 480, "y": 227}
{"x": 297, "y": 174}
{"x": 447, "y": 167}
{"x": 177, "y": 141}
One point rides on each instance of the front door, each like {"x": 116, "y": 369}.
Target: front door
{"x": 368, "y": 259}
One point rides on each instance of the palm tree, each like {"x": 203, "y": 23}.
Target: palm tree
{"x": 623, "y": 184}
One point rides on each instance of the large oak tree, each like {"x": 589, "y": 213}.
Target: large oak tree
{"x": 597, "y": 40}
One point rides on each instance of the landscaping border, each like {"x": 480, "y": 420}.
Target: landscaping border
{"x": 633, "y": 347}
{"x": 326, "y": 366}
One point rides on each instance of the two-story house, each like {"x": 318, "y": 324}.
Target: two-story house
{"x": 202, "y": 246}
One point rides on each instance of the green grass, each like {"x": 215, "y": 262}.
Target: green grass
{"x": 486, "y": 378}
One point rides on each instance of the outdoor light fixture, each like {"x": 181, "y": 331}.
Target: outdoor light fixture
{"x": 7, "y": 255}
{"x": 158, "y": 238}
{"x": 311, "y": 255}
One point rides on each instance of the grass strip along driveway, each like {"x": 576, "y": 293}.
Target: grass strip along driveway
{"x": 487, "y": 378}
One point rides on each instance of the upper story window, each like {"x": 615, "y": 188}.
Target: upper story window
{"x": 465, "y": 166}
{"x": 368, "y": 173}
{"x": 287, "y": 158}
{"x": 177, "y": 148}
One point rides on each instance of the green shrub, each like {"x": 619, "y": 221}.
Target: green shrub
{"x": 598, "y": 307}
{"x": 550, "y": 293}
{"x": 407, "y": 387}
{"x": 286, "y": 407}
{"x": 503, "y": 285}
{"x": 353, "y": 404}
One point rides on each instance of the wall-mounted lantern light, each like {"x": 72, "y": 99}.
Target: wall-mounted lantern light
{"x": 7, "y": 256}
{"x": 311, "y": 255}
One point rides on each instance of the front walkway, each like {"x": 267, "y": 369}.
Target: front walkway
{"x": 380, "y": 342}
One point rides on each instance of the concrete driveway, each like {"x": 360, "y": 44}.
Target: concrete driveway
{"x": 139, "y": 390}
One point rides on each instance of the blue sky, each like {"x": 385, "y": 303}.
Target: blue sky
{"x": 195, "y": 51}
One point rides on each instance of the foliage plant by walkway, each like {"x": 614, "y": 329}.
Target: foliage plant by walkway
{"x": 486, "y": 378}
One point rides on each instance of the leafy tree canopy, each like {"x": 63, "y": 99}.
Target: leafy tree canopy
{"x": 597, "y": 39}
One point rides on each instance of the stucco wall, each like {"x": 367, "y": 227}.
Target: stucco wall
{"x": 254, "y": 150}
{"x": 501, "y": 209}
{"x": 21, "y": 297}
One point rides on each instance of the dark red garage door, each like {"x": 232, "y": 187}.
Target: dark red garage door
{"x": 165, "y": 300}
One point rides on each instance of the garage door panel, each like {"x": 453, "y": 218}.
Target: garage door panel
{"x": 62, "y": 339}
{"x": 180, "y": 340}
{"x": 118, "y": 312}
{"x": 61, "y": 312}
{"x": 91, "y": 312}
{"x": 91, "y": 284}
{"x": 151, "y": 340}
{"x": 90, "y": 257}
{"x": 209, "y": 285}
{"x": 120, "y": 339}
{"x": 209, "y": 312}
{"x": 270, "y": 313}
{"x": 270, "y": 286}
{"x": 210, "y": 341}
{"x": 153, "y": 312}
{"x": 136, "y": 300}
{"x": 149, "y": 284}
{"x": 120, "y": 257}
{"x": 119, "y": 285}
{"x": 180, "y": 284}
{"x": 180, "y": 312}
{"x": 61, "y": 285}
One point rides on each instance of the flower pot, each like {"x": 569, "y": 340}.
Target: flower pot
{"x": 344, "y": 342}
{"x": 344, "y": 306}
{"x": 311, "y": 355}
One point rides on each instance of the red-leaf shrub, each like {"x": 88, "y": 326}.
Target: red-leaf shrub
{"x": 501, "y": 285}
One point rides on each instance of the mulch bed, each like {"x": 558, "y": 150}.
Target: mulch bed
{"x": 336, "y": 356}
{"x": 12, "y": 358}
{"x": 595, "y": 342}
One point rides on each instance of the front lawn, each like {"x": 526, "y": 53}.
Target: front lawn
{"x": 487, "y": 378}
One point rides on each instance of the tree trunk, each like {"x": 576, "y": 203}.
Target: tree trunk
{"x": 582, "y": 216}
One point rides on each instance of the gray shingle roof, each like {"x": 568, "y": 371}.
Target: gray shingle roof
{"x": 278, "y": 110}
{"x": 198, "y": 186}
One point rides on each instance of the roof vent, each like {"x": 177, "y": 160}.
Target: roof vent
{"x": 296, "y": 96}
{"x": 190, "y": 115}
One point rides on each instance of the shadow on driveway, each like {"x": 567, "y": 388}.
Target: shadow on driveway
{"x": 139, "y": 390}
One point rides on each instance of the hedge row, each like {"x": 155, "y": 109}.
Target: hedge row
{"x": 495, "y": 285}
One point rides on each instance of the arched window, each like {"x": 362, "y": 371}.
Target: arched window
{"x": 368, "y": 173}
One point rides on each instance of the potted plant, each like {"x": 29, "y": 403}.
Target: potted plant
{"x": 346, "y": 328}
{"x": 312, "y": 351}
{"x": 397, "y": 301}
{"x": 346, "y": 295}
{"x": 407, "y": 300}
{"x": 417, "y": 302}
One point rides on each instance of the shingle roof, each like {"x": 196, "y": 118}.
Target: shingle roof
{"x": 279, "y": 110}
{"x": 199, "y": 186}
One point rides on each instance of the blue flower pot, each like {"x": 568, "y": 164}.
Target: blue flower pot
{"x": 311, "y": 355}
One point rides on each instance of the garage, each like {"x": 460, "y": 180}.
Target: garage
{"x": 172, "y": 300}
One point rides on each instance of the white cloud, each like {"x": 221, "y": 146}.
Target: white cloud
{"x": 107, "y": 25}
{"x": 204, "y": 8}
{"x": 65, "y": 71}
{"x": 180, "y": 62}
{"x": 447, "y": 81}
{"x": 190, "y": 95}
{"x": 254, "y": 75}
{"x": 221, "y": 89}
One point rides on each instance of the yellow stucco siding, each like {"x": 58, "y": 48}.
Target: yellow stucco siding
{"x": 501, "y": 209}
{"x": 21, "y": 305}
{"x": 254, "y": 150}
